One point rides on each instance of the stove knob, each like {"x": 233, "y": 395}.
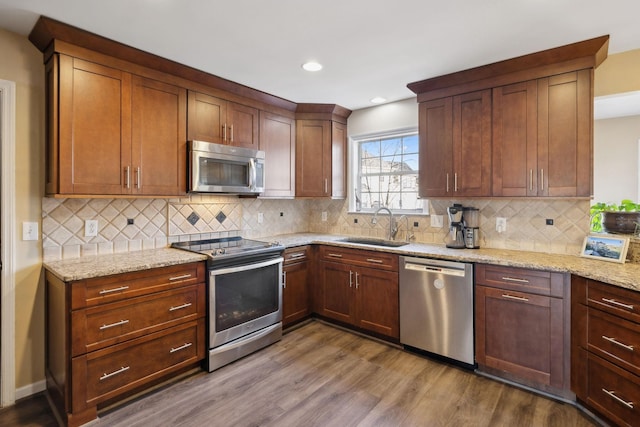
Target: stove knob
{"x": 219, "y": 251}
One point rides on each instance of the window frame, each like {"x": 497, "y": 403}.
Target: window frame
{"x": 354, "y": 169}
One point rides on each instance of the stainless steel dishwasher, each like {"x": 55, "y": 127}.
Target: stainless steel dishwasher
{"x": 436, "y": 307}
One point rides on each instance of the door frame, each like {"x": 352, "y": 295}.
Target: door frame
{"x": 8, "y": 242}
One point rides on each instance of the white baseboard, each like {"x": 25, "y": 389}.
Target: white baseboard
{"x": 30, "y": 389}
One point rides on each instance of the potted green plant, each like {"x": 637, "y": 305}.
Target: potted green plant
{"x": 622, "y": 218}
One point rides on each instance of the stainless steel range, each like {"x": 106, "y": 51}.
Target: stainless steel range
{"x": 245, "y": 295}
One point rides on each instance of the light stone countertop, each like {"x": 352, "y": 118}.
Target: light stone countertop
{"x": 622, "y": 275}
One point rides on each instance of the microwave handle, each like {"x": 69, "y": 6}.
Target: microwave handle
{"x": 252, "y": 174}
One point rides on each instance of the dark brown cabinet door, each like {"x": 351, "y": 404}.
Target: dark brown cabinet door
{"x": 242, "y": 126}
{"x": 295, "y": 295}
{"x": 278, "y": 141}
{"x": 455, "y": 146}
{"x": 338, "y": 161}
{"x": 93, "y": 153}
{"x": 377, "y": 299}
{"x": 521, "y": 334}
{"x": 207, "y": 116}
{"x": 313, "y": 158}
{"x": 159, "y": 146}
{"x": 436, "y": 148}
{"x": 515, "y": 140}
{"x": 472, "y": 144}
{"x": 565, "y": 142}
{"x": 337, "y": 282}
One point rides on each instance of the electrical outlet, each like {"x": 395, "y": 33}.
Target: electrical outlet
{"x": 324, "y": 216}
{"x": 29, "y": 231}
{"x": 501, "y": 224}
{"x": 260, "y": 217}
{"x": 437, "y": 221}
{"x": 90, "y": 228}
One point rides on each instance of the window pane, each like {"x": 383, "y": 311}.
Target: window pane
{"x": 410, "y": 144}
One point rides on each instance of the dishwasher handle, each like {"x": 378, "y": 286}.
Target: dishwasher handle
{"x": 426, "y": 268}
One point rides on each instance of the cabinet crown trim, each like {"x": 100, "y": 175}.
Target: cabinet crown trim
{"x": 585, "y": 54}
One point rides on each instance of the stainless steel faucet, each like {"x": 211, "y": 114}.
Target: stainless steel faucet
{"x": 393, "y": 227}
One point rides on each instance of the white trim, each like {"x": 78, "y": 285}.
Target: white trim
{"x": 8, "y": 244}
{"x": 31, "y": 389}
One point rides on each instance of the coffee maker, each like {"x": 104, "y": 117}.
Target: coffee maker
{"x": 471, "y": 227}
{"x": 455, "y": 239}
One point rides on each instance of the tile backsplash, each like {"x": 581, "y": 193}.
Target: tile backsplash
{"x": 159, "y": 222}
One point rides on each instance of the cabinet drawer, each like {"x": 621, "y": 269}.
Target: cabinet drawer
{"x": 106, "y": 373}
{"x": 298, "y": 254}
{"x": 618, "y": 301}
{"x": 92, "y": 292}
{"x": 615, "y": 339}
{"x": 522, "y": 279}
{"x": 97, "y": 327}
{"x": 613, "y": 391}
{"x": 380, "y": 260}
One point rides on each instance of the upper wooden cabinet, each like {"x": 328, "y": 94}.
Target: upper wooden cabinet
{"x": 455, "y": 146}
{"x": 511, "y": 128}
{"x": 278, "y": 141}
{"x": 542, "y": 144}
{"x": 321, "y": 151}
{"x": 111, "y": 132}
{"x": 216, "y": 120}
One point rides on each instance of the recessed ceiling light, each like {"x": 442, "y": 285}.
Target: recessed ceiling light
{"x": 378, "y": 100}
{"x": 312, "y": 66}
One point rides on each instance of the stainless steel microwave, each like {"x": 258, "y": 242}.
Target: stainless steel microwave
{"x": 217, "y": 168}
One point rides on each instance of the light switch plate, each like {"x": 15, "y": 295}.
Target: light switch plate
{"x": 501, "y": 224}
{"x": 324, "y": 216}
{"x": 90, "y": 228}
{"x": 260, "y": 217}
{"x": 437, "y": 221}
{"x": 29, "y": 231}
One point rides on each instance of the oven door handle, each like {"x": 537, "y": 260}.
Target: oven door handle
{"x": 245, "y": 267}
{"x": 253, "y": 174}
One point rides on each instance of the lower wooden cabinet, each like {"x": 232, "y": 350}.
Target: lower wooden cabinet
{"x": 605, "y": 366}
{"x": 109, "y": 337}
{"x": 296, "y": 298}
{"x": 522, "y": 326}
{"x": 360, "y": 288}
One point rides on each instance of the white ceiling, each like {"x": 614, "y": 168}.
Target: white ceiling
{"x": 368, "y": 47}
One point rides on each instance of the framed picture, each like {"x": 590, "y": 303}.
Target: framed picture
{"x": 605, "y": 247}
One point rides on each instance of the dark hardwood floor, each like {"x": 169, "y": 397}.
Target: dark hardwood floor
{"x": 322, "y": 376}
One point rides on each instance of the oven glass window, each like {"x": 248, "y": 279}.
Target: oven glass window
{"x": 246, "y": 295}
{"x": 223, "y": 173}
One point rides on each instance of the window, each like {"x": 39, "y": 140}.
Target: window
{"x": 385, "y": 173}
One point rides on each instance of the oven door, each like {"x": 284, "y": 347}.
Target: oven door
{"x": 244, "y": 299}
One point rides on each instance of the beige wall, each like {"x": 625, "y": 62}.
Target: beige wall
{"x": 618, "y": 73}
{"x": 21, "y": 63}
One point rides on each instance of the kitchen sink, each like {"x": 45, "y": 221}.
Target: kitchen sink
{"x": 375, "y": 242}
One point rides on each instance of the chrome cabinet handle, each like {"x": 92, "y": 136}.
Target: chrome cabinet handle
{"x": 112, "y": 325}
{"x": 108, "y": 291}
{"x": 284, "y": 280}
{"x": 334, "y": 255}
{"x": 184, "y": 276}
{"x": 138, "y": 177}
{"x": 619, "y": 304}
{"x": 357, "y": 281}
{"x": 326, "y": 185}
{"x": 180, "y": 307}
{"x": 376, "y": 261}
{"x": 618, "y": 343}
{"x": 541, "y": 179}
{"x": 447, "y": 182}
{"x": 119, "y": 371}
{"x": 224, "y": 132}
{"x": 297, "y": 255}
{"x": 231, "y": 133}
{"x": 514, "y": 297}
{"x": 182, "y": 347}
{"x": 350, "y": 278}
{"x": 613, "y": 394}
{"x": 530, "y": 179}
{"x": 455, "y": 182}
{"x": 127, "y": 177}
{"x": 515, "y": 279}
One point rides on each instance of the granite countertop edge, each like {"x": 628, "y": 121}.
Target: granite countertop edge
{"x": 621, "y": 275}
